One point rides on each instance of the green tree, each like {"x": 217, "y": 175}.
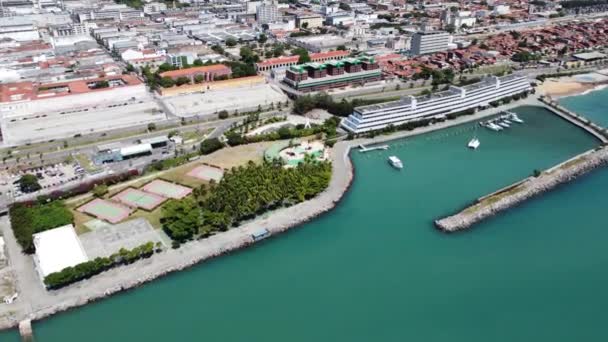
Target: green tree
{"x": 100, "y": 190}
{"x": 230, "y": 42}
{"x": 29, "y": 183}
{"x": 223, "y": 114}
{"x": 166, "y": 82}
{"x": 182, "y": 80}
{"x": 303, "y": 53}
{"x": 262, "y": 38}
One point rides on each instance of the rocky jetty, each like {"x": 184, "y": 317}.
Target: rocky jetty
{"x": 521, "y": 191}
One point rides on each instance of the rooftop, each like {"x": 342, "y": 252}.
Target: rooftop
{"x": 57, "y": 249}
{"x": 201, "y": 69}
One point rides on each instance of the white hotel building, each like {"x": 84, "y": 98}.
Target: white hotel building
{"x": 454, "y": 100}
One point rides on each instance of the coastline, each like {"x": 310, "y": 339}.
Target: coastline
{"x": 42, "y": 304}
{"x": 567, "y": 86}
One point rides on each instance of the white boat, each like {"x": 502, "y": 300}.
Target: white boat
{"x": 494, "y": 127}
{"x": 474, "y": 143}
{"x": 516, "y": 118}
{"x": 395, "y": 162}
{"x": 504, "y": 124}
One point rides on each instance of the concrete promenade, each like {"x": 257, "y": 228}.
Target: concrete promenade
{"x": 36, "y": 303}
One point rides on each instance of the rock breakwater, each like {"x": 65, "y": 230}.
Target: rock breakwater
{"x": 521, "y": 191}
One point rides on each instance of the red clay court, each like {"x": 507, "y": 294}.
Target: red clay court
{"x": 139, "y": 199}
{"x": 167, "y": 189}
{"x": 105, "y": 210}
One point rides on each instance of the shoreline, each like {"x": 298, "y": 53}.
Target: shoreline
{"x": 43, "y": 304}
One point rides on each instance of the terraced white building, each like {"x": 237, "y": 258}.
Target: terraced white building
{"x": 454, "y": 100}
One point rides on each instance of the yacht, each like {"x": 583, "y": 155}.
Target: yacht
{"x": 395, "y": 162}
{"x": 516, "y": 118}
{"x": 503, "y": 124}
{"x": 494, "y": 127}
{"x": 474, "y": 143}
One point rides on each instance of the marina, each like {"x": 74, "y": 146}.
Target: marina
{"x": 363, "y": 148}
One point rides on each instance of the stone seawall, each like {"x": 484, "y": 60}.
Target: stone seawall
{"x": 513, "y": 195}
{"x": 190, "y": 254}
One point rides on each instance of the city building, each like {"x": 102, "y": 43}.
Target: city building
{"x": 287, "y": 61}
{"x": 19, "y": 29}
{"x": 309, "y": 20}
{"x": 332, "y": 74}
{"x": 267, "y": 13}
{"x": 427, "y": 42}
{"x": 26, "y": 98}
{"x": 453, "y": 100}
{"x": 209, "y": 73}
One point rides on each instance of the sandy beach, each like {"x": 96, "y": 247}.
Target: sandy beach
{"x": 566, "y": 86}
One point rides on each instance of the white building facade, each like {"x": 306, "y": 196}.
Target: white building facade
{"x": 456, "y": 99}
{"x": 426, "y": 42}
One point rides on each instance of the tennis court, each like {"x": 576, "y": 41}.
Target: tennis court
{"x": 167, "y": 189}
{"x": 140, "y": 199}
{"x": 105, "y": 210}
{"x": 206, "y": 172}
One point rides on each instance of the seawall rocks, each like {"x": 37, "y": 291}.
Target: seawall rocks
{"x": 512, "y": 196}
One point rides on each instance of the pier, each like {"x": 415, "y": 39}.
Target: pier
{"x": 523, "y": 190}
{"x": 25, "y": 330}
{"x": 577, "y": 120}
{"x": 363, "y": 148}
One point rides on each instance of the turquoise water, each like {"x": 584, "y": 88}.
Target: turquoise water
{"x": 592, "y": 105}
{"x": 375, "y": 269}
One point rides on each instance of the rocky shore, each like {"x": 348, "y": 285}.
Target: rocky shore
{"x": 513, "y": 195}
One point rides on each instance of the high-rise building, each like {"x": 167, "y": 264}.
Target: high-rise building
{"x": 267, "y": 13}
{"x": 425, "y": 42}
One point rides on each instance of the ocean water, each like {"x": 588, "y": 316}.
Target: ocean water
{"x": 591, "y": 104}
{"x": 375, "y": 269}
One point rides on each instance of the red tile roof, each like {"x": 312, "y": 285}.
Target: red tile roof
{"x": 217, "y": 68}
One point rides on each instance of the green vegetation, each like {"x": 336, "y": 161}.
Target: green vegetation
{"x": 100, "y": 190}
{"x": 29, "y": 219}
{"x": 243, "y": 193}
{"x": 303, "y": 53}
{"x": 304, "y": 104}
{"x": 525, "y": 56}
{"x": 211, "y": 145}
{"x": 85, "y": 270}
{"x": 29, "y": 183}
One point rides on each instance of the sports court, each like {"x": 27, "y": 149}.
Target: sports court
{"x": 167, "y": 189}
{"x": 139, "y": 199}
{"x": 105, "y": 210}
{"x": 207, "y": 173}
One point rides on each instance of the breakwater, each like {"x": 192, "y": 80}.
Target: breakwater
{"x": 521, "y": 191}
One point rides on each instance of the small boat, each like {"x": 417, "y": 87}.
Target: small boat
{"x": 516, "y": 118}
{"x": 494, "y": 127}
{"x": 504, "y": 124}
{"x": 474, "y": 143}
{"x": 395, "y": 162}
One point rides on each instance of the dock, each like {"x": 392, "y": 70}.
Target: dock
{"x": 25, "y": 330}
{"x": 363, "y": 148}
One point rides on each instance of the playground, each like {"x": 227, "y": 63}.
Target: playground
{"x": 293, "y": 154}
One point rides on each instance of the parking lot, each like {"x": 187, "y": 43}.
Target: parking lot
{"x": 48, "y": 177}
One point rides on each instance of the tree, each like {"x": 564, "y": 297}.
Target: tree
{"x": 151, "y": 127}
{"x": 182, "y": 80}
{"x": 303, "y": 53}
{"x": 198, "y": 62}
{"x": 130, "y": 68}
{"x": 29, "y": 183}
{"x": 262, "y": 38}
{"x": 305, "y": 25}
{"x": 341, "y": 48}
{"x": 210, "y": 145}
{"x": 218, "y": 49}
{"x": 223, "y": 114}
{"x": 166, "y": 82}
{"x": 199, "y": 79}
{"x": 344, "y": 6}
{"x": 230, "y": 42}
{"x": 100, "y": 190}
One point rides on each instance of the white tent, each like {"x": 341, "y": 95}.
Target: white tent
{"x": 57, "y": 249}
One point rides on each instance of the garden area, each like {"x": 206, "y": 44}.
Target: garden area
{"x": 28, "y": 219}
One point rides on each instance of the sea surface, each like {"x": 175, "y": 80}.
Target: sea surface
{"x": 593, "y": 104}
{"x": 375, "y": 269}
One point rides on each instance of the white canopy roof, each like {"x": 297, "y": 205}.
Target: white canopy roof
{"x": 57, "y": 249}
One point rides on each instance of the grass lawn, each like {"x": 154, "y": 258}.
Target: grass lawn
{"x": 179, "y": 175}
{"x": 86, "y": 163}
